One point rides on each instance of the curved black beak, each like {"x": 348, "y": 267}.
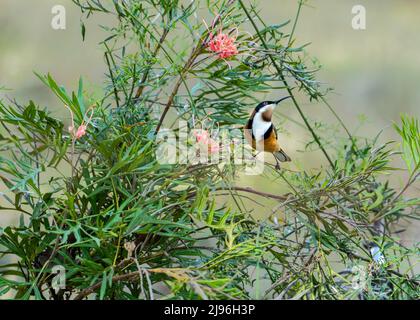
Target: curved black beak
{"x": 277, "y": 102}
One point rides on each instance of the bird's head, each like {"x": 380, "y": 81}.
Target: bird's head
{"x": 266, "y": 108}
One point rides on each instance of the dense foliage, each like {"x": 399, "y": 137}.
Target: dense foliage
{"x": 96, "y": 201}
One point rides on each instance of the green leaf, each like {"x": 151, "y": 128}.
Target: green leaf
{"x": 103, "y": 286}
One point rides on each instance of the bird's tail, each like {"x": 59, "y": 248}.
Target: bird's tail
{"x": 281, "y": 156}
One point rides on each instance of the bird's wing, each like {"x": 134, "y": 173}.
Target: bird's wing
{"x": 250, "y": 121}
{"x": 280, "y": 154}
{"x": 248, "y": 128}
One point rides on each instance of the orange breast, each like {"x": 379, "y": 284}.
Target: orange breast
{"x": 267, "y": 145}
{"x": 270, "y": 144}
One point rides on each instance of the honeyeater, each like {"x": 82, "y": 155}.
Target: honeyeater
{"x": 260, "y": 132}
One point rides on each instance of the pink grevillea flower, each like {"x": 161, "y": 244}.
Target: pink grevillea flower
{"x": 202, "y": 136}
{"x": 81, "y": 130}
{"x": 213, "y": 146}
{"x": 223, "y": 45}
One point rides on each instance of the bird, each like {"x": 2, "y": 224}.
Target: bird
{"x": 262, "y": 135}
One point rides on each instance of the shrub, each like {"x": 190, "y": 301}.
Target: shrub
{"x": 97, "y": 203}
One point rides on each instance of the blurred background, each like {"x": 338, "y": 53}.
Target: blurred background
{"x": 375, "y": 72}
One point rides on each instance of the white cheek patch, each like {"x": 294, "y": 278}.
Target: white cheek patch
{"x": 259, "y": 127}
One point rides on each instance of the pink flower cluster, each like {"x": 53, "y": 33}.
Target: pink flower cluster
{"x": 223, "y": 45}
{"x": 203, "y": 137}
{"x": 81, "y": 130}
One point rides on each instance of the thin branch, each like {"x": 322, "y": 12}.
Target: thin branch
{"x": 146, "y": 74}
{"x": 117, "y": 99}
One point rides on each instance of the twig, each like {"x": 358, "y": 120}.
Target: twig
{"x": 124, "y": 277}
{"x": 117, "y": 99}
{"x": 184, "y": 70}
{"x": 249, "y": 190}
{"x": 146, "y": 74}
